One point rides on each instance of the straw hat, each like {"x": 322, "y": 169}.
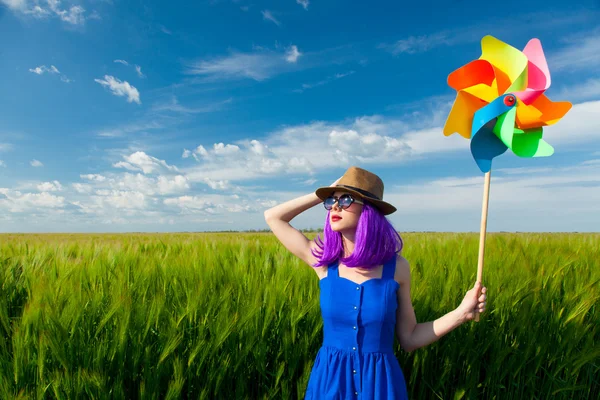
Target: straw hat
{"x": 361, "y": 183}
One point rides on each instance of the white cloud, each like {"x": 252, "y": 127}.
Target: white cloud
{"x": 121, "y": 199}
{"x": 165, "y": 30}
{"x": 582, "y": 52}
{"x": 268, "y": 16}
{"x": 259, "y": 65}
{"x": 53, "y": 186}
{"x": 120, "y": 88}
{"x": 178, "y": 183}
{"x": 189, "y": 202}
{"x": 74, "y": 15}
{"x": 140, "y": 161}
{"x": 16, "y": 202}
{"x": 36, "y": 163}
{"x": 555, "y": 199}
{"x": 15, "y": 4}
{"x": 578, "y": 130}
{"x": 93, "y": 177}
{"x": 306, "y": 86}
{"x": 130, "y": 129}
{"x": 174, "y": 106}
{"x": 366, "y": 145}
{"x": 221, "y": 149}
{"x": 138, "y": 182}
{"x": 162, "y": 185}
{"x": 306, "y": 149}
{"x": 303, "y": 3}
{"x": 417, "y": 44}
{"x": 586, "y": 90}
{"x": 82, "y": 188}
{"x": 42, "y": 69}
{"x": 6, "y": 146}
{"x": 2, "y": 163}
{"x": 217, "y": 185}
{"x": 292, "y": 54}
{"x": 505, "y": 29}
{"x": 212, "y": 205}
{"x": 138, "y": 69}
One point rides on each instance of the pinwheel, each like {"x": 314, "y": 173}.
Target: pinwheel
{"x": 500, "y": 105}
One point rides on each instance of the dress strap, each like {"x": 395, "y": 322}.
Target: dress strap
{"x": 333, "y": 269}
{"x": 389, "y": 268}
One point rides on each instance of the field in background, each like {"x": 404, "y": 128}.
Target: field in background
{"x": 226, "y": 315}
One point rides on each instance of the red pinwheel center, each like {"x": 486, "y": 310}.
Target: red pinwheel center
{"x": 509, "y": 100}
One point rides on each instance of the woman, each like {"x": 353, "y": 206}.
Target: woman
{"x": 364, "y": 290}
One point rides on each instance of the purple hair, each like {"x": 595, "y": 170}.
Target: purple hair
{"x": 376, "y": 241}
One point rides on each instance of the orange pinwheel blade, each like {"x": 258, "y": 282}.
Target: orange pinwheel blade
{"x": 541, "y": 112}
{"x": 460, "y": 118}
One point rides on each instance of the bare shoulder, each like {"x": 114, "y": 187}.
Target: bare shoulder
{"x": 402, "y": 273}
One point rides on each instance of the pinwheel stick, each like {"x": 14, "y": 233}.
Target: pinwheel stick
{"x": 482, "y": 230}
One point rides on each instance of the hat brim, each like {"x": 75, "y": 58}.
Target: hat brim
{"x": 326, "y": 191}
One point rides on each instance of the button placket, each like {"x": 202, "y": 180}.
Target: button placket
{"x": 356, "y": 358}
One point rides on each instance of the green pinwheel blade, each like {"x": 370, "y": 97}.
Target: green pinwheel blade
{"x": 531, "y": 144}
{"x": 505, "y": 127}
{"x": 522, "y": 143}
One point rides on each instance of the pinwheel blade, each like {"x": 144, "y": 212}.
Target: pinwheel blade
{"x": 460, "y": 118}
{"x": 531, "y": 144}
{"x": 490, "y": 112}
{"x": 508, "y": 59}
{"x": 541, "y": 112}
{"x": 505, "y": 127}
{"x": 538, "y": 75}
{"x": 485, "y": 145}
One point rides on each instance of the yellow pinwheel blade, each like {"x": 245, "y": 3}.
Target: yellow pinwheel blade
{"x": 507, "y": 59}
{"x": 483, "y": 92}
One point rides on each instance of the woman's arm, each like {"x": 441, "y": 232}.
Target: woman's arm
{"x": 410, "y": 334}
{"x": 278, "y": 218}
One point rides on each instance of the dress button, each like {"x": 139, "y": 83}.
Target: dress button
{"x": 354, "y": 327}
{"x": 354, "y": 348}
{"x": 355, "y": 307}
{"x": 358, "y": 288}
{"x": 356, "y": 393}
{"x": 353, "y": 371}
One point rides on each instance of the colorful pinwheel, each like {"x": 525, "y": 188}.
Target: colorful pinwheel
{"x": 501, "y": 103}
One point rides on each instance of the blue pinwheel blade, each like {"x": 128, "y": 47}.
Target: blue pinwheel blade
{"x": 485, "y": 145}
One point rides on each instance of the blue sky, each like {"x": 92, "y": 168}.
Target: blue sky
{"x": 147, "y": 116}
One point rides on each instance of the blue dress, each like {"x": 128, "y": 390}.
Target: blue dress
{"x": 356, "y": 359}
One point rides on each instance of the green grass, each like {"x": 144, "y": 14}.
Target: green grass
{"x": 225, "y": 315}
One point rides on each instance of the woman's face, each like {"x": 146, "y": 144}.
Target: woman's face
{"x": 349, "y": 216}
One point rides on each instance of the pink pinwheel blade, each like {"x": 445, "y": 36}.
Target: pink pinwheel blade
{"x": 538, "y": 74}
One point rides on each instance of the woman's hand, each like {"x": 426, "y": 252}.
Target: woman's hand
{"x": 474, "y": 301}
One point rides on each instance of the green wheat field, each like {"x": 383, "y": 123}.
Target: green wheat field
{"x": 236, "y": 316}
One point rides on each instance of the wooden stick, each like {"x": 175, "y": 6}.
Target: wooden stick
{"x": 482, "y": 230}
